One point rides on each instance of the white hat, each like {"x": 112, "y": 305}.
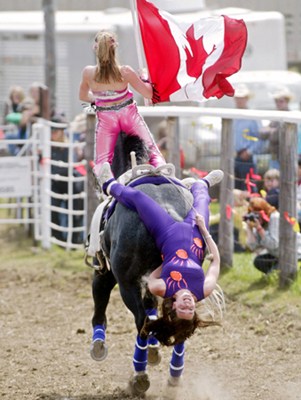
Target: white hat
{"x": 282, "y": 92}
{"x": 242, "y": 91}
{"x": 79, "y": 124}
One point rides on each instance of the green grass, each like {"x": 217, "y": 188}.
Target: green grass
{"x": 245, "y": 284}
{"x": 242, "y": 283}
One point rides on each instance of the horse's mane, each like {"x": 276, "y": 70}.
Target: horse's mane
{"x": 124, "y": 146}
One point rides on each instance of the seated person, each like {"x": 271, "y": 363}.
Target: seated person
{"x": 240, "y": 228}
{"x": 263, "y": 232}
{"x": 271, "y": 186}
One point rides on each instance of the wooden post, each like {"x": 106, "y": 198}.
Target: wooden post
{"x": 225, "y": 232}
{"x": 44, "y": 103}
{"x": 50, "y": 54}
{"x": 288, "y": 157}
{"x": 93, "y": 201}
{"x": 173, "y": 144}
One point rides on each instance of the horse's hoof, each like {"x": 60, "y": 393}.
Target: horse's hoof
{"x": 175, "y": 381}
{"x": 153, "y": 354}
{"x": 99, "y": 350}
{"x": 141, "y": 382}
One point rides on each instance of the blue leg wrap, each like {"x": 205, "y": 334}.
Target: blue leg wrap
{"x": 140, "y": 355}
{"x": 152, "y": 314}
{"x": 99, "y": 333}
{"x": 176, "y": 365}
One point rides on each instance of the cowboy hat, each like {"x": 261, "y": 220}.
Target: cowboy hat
{"x": 242, "y": 90}
{"x": 282, "y": 92}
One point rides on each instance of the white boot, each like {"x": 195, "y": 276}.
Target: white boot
{"x": 214, "y": 177}
{"x": 105, "y": 174}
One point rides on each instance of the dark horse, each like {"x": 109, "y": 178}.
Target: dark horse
{"x": 131, "y": 249}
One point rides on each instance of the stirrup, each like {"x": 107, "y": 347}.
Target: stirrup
{"x": 166, "y": 169}
{"x": 143, "y": 169}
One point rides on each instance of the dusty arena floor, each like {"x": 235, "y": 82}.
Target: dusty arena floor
{"x": 46, "y": 335}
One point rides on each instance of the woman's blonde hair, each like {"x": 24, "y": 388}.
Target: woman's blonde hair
{"x": 18, "y": 90}
{"x": 107, "y": 66}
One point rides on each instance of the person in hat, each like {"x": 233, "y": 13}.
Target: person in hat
{"x": 59, "y": 135}
{"x": 282, "y": 96}
{"x": 263, "y": 232}
{"x": 245, "y": 130}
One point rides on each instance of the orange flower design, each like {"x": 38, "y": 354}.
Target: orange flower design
{"x": 176, "y": 275}
{"x": 181, "y": 256}
{"x": 197, "y": 246}
{"x": 175, "y": 279}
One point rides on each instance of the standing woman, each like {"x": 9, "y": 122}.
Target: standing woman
{"x": 107, "y": 85}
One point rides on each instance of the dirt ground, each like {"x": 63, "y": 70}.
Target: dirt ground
{"x": 46, "y": 335}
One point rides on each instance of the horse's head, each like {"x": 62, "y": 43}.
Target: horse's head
{"x": 124, "y": 146}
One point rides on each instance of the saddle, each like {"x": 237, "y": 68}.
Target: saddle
{"x": 105, "y": 209}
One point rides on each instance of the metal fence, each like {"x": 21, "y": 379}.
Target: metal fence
{"x": 34, "y": 205}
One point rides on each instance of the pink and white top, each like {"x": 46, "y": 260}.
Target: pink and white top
{"x": 103, "y": 98}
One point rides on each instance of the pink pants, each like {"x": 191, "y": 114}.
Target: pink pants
{"x": 110, "y": 123}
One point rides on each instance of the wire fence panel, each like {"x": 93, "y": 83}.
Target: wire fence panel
{"x": 33, "y": 206}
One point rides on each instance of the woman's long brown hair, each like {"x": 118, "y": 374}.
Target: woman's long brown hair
{"x": 169, "y": 329}
{"x": 107, "y": 69}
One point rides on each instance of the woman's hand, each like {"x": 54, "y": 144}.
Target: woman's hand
{"x": 257, "y": 223}
{"x": 200, "y": 221}
{"x": 143, "y": 74}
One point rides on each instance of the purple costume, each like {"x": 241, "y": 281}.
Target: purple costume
{"x": 180, "y": 243}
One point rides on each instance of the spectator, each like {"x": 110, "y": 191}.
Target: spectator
{"x": 271, "y": 186}
{"x": 12, "y": 115}
{"x": 162, "y": 142}
{"x": 282, "y": 97}
{"x": 61, "y": 187}
{"x": 246, "y": 142}
{"x": 30, "y": 108}
{"x": 264, "y": 233}
{"x": 240, "y": 207}
{"x": 16, "y": 96}
{"x": 78, "y": 127}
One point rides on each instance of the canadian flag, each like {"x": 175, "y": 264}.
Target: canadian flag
{"x": 190, "y": 60}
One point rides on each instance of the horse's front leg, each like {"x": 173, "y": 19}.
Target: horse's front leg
{"x": 176, "y": 365}
{"x": 101, "y": 288}
{"x": 133, "y": 301}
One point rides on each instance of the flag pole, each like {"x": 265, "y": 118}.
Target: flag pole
{"x": 137, "y": 38}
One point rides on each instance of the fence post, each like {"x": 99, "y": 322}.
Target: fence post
{"x": 45, "y": 186}
{"x": 288, "y": 157}
{"x": 173, "y": 144}
{"x": 93, "y": 201}
{"x": 225, "y": 232}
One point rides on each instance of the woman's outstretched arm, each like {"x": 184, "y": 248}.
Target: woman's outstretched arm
{"x": 156, "y": 285}
{"x": 213, "y": 270}
{"x": 85, "y": 93}
{"x": 144, "y": 88}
